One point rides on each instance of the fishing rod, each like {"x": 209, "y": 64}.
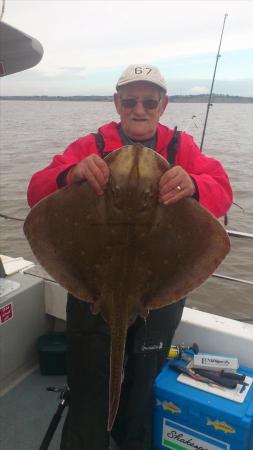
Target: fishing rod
{"x": 2, "y": 10}
{"x": 209, "y": 104}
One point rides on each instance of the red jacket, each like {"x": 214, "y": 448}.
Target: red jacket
{"x": 211, "y": 179}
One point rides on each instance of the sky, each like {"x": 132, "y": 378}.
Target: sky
{"x": 87, "y": 44}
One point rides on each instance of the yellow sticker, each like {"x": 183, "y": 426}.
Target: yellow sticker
{"x": 169, "y": 406}
{"x": 221, "y": 426}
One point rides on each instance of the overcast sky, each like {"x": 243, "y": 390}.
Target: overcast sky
{"x": 87, "y": 44}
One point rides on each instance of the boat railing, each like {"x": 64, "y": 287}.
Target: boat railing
{"x": 232, "y": 233}
{"x": 237, "y": 234}
{"x": 240, "y": 234}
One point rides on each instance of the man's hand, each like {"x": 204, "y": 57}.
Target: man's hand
{"x": 92, "y": 169}
{"x": 175, "y": 184}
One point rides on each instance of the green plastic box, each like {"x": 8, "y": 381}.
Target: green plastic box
{"x": 52, "y": 349}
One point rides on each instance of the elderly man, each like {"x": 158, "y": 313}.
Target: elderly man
{"x": 140, "y": 101}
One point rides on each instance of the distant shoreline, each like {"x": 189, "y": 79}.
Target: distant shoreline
{"x": 216, "y": 98}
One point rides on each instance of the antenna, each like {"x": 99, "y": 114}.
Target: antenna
{"x": 209, "y": 104}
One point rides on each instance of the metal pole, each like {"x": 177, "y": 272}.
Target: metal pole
{"x": 211, "y": 91}
{"x": 238, "y": 280}
{"x": 240, "y": 234}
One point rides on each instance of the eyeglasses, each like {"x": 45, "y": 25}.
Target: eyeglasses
{"x": 149, "y": 103}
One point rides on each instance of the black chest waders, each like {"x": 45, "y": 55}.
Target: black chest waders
{"x": 147, "y": 345}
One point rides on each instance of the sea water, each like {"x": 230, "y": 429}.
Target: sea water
{"x": 33, "y": 131}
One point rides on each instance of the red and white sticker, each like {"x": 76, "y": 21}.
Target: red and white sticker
{"x": 6, "y": 313}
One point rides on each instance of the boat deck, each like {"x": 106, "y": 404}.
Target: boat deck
{"x": 26, "y": 412}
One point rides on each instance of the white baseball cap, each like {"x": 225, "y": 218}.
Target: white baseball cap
{"x": 142, "y": 72}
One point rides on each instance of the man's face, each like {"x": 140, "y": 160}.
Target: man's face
{"x": 138, "y": 121}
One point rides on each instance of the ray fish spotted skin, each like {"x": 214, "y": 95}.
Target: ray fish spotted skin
{"x": 124, "y": 252}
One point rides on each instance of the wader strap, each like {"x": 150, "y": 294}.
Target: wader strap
{"x": 171, "y": 156}
{"x": 100, "y": 143}
{"x": 173, "y": 146}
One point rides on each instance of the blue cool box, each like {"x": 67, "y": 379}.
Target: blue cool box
{"x": 188, "y": 418}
